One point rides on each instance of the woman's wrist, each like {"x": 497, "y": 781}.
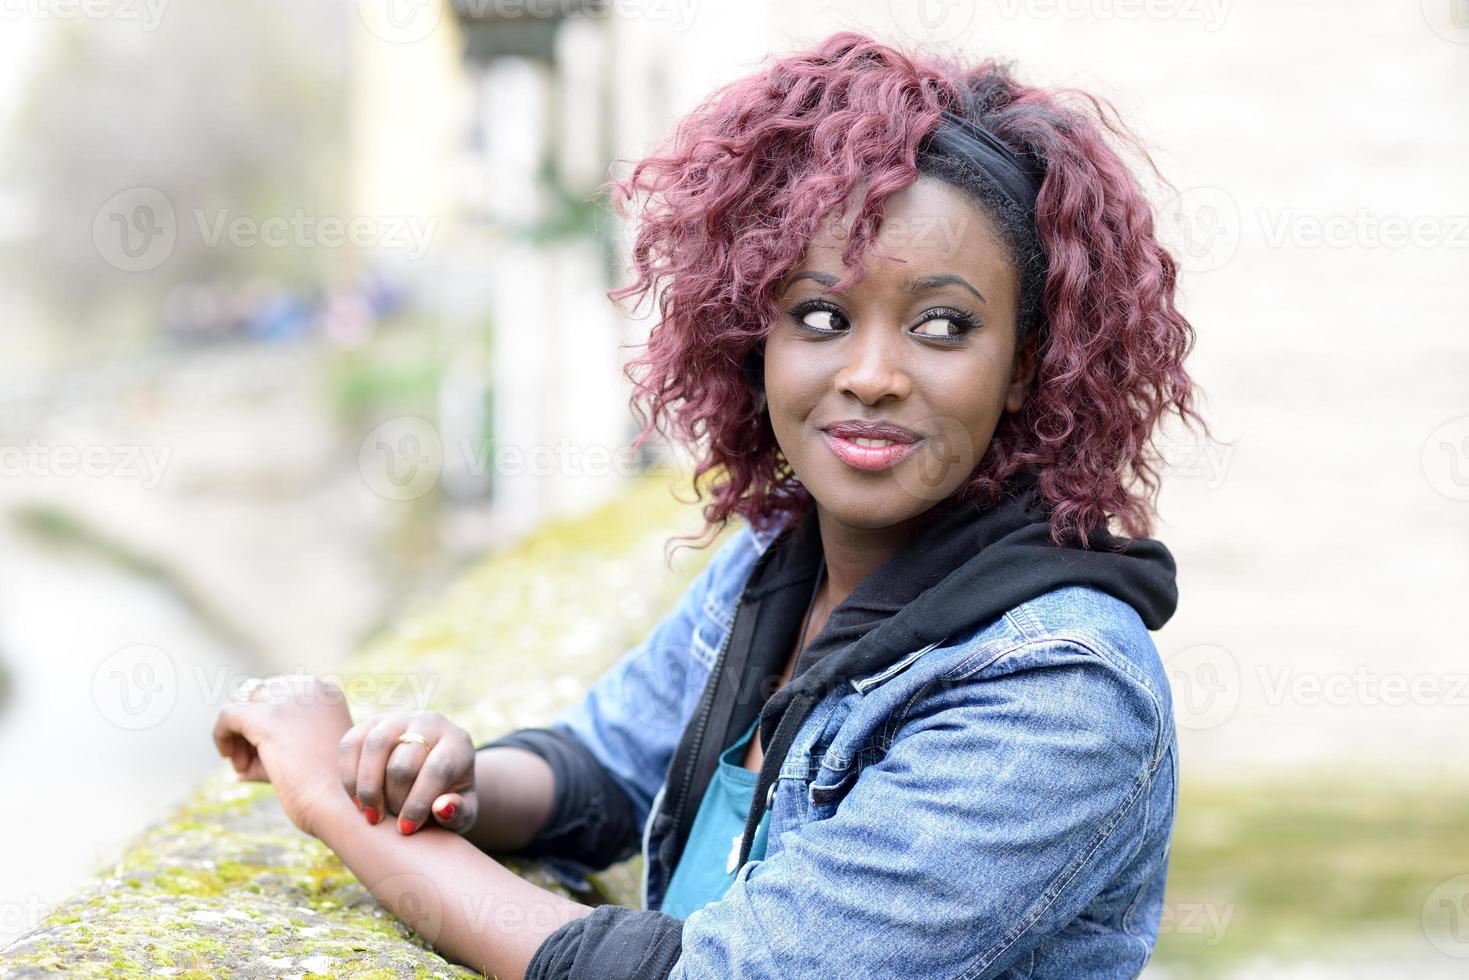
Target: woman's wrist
{"x": 325, "y": 812}
{"x": 516, "y": 789}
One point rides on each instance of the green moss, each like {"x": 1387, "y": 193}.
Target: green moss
{"x": 223, "y": 879}
{"x": 1301, "y": 866}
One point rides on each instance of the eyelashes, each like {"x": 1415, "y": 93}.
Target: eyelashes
{"x": 964, "y": 321}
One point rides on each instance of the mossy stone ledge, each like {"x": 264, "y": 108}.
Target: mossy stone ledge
{"x": 223, "y": 884}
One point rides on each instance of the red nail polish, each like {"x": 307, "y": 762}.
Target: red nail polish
{"x": 370, "y": 812}
{"x": 447, "y": 811}
{"x": 405, "y": 826}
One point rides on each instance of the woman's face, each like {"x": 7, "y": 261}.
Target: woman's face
{"x": 927, "y": 345}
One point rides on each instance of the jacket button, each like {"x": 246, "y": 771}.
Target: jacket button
{"x": 770, "y": 796}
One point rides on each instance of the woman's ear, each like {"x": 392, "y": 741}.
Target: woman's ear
{"x": 1022, "y": 375}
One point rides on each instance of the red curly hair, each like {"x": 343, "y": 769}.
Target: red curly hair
{"x": 731, "y": 201}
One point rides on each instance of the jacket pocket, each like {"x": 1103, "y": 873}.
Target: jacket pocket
{"x": 825, "y": 795}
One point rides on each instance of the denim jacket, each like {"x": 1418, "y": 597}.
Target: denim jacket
{"x": 997, "y": 804}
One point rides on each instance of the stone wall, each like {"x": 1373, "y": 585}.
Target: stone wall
{"x": 224, "y": 885}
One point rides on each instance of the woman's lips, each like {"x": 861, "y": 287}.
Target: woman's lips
{"x": 881, "y": 457}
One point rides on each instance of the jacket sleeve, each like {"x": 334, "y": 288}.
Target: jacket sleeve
{"x": 591, "y": 824}
{"x": 609, "y": 753}
{"x": 633, "y": 715}
{"x": 1006, "y": 801}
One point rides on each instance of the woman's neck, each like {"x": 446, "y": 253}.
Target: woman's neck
{"x": 853, "y": 553}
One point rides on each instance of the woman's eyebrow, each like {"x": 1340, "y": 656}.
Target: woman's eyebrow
{"x": 929, "y": 282}
{"x": 825, "y": 278}
{"x": 926, "y": 282}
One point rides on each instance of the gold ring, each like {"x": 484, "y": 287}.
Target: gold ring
{"x": 407, "y": 737}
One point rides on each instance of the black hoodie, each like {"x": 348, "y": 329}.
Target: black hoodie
{"x": 963, "y": 567}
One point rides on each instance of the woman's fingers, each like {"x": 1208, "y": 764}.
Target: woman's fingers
{"x": 417, "y": 782}
{"x": 378, "y": 744}
{"x": 232, "y": 739}
{"x": 455, "y": 811}
{"x": 349, "y": 754}
{"x": 445, "y": 771}
{"x": 405, "y": 763}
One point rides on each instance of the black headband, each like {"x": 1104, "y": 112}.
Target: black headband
{"x": 957, "y": 138}
{"x": 1018, "y": 177}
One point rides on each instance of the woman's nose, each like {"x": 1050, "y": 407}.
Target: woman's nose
{"x": 873, "y": 365}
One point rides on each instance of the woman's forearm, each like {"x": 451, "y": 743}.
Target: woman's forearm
{"x": 516, "y": 789}
{"x": 464, "y": 902}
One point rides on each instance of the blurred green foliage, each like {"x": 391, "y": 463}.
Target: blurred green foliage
{"x": 1305, "y": 867}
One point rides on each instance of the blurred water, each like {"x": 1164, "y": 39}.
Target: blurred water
{"x": 85, "y": 766}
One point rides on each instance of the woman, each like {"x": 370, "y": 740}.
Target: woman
{"x": 908, "y": 722}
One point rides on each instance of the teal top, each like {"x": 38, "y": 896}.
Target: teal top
{"x": 706, "y": 868}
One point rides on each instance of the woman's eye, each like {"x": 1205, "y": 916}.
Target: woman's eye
{"x": 948, "y": 326}
{"x": 825, "y": 320}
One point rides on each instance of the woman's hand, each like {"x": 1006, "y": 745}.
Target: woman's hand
{"x": 417, "y": 782}
{"x": 285, "y": 731}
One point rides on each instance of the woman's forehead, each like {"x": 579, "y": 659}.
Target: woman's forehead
{"x": 931, "y": 229}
